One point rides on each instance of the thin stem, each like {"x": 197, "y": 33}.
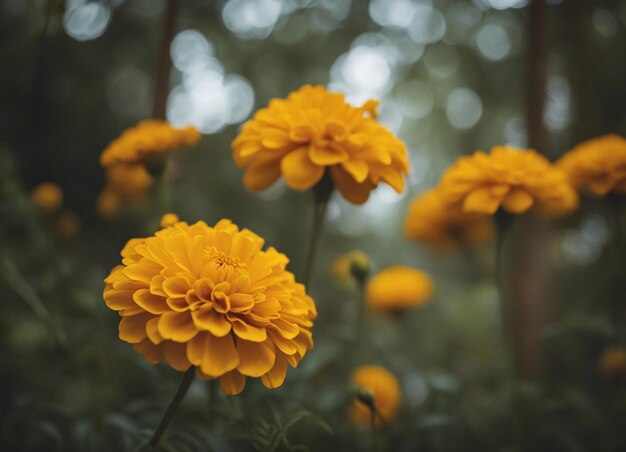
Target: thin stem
{"x": 504, "y": 228}
{"x": 164, "y": 63}
{"x": 321, "y": 193}
{"x": 373, "y": 412}
{"x": 212, "y": 396}
{"x": 171, "y": 409}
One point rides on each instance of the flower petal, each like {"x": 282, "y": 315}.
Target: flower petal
{"x": 356, "y": 193}
{"x": 255, "y": 358}
{"x": 481, "y": 200}
{"x": 150, "y": 302}
{"x": 177, "y": 326}
{"x": 517, "y": 201}
{"x": 210, "y": 320}
{"x": 176, "y": 356}
{"x": 299, "y": 172}
{"x": 276, "y": 376}
{"x": 132, "y": 329}
{"x": 248, "y": 332}
{"x": 260, "y": 177}
{"x": 219, "y": 355}
{"x": 232, "y": 382}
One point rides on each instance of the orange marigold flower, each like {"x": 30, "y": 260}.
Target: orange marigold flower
{"x": 382, "y": 392}
{"x": 598, "y": 165}
{"x": 314, "y": 130}
{"x": 399, "y": 287}
{"x": 47, "y": 195}
{"x": 350, "y": 267}
{"x": 516, "y": 179}
{"x": 612, "y": 362}
{"x": 211, "y": 297}
{"x": 108, "y": 204}
{"x": 149, "y": 138}
{"x": 433, "y": 222}
{"x": 129, "y": 181}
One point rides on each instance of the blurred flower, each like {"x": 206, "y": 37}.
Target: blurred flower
{"x": 47, "y": 195}
{"x": 68, "y": 224}
{"x": 211, "y": 297}
{"x": 129, "y": 181}
{"x": 399, "y": 287}
{"x": 598, "y": 165}
{"x": 312, "y": 130}
{"x": 433, "y": 222}
{"x": 379, "y": 389}
{"x": 148, "y": 139}
{"x": 351, "y": 267}
{"x": 516, "y": 179}
{"x": 169, "y": 219}
{"x": 108, "y": 204}
{"x": 612, "y": 362}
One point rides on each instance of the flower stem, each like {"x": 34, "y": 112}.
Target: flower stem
{"x": 212, "y": 386}
{"x": 171, "y": 409}
{"x": 321, "y": 194}
{"x": 164, "y": 64}
{"x": 505, "y": 224}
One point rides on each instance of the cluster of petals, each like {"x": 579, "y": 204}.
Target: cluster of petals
{"x": 432, "y": 221}
{"x": 314, "y": 132}
{"x": 123, "y": 183}
{"x": 147, "y": 139}
{"x": 598, "y": 165}
{"x": 386, "y": 392}
{"x": 398, "y": 288}
{"x": 211, "y": 297}
{"x": 514, "y": 179}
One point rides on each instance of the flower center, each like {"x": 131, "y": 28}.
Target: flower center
{"x": 229, "y": 269}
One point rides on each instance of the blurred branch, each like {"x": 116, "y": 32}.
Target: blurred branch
{"x": 164, "y": 63}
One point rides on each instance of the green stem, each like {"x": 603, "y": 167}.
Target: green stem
{"x": 321, "y": 193}
{"x": 212, "y": 396}
{"x": 171, "y": 409}
{"x": 506, "y": 311}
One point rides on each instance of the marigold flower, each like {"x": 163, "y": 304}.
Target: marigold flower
{"x": 516, "y": 179}
{"x": 385, "y": 389}
{"x": 598, "y": 165}
{"x": 312, "y": 131}
{"x": 149, "y": 138}
{"x": 108, "y": 204}
{"x": 47, "y": 195}
{"x": 129, "y": 181}
{"x": 612, "y": 362}
{"x": 169, "y": 219}
{"x": 435, "y": 223}
{"x": 211, "y": 297}
{"x": 399, "y": 287}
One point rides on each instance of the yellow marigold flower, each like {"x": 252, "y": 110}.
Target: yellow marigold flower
{"x": 169, "y": 219}
{"x": 129, "y": 181}
{"x": 47, "y": 195}
{"x": 314, "y": 130}
{"x": 149, "y": 138}
{"x": 612, "y": 362}
{"x": 598, "y": 165}
{"x": 351, "y": 266}
{"x": 516, "y": 179}
{"x": 68, "y": 224}
{"x": 211, "y": 297}
{"x": 108, "y": 204}
{"x": 399, "y": 287}
{"x": 384, "y": 395}
{"x": 433, "y": 222}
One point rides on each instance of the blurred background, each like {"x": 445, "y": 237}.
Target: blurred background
{"x": 453, "y": 76}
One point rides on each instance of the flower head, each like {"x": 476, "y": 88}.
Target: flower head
{"x": 349, "y": 268}
{"x": 68, "y": 224}
{"x": 382, "y": 392}
{"x": 312, "y": 131}
{"x": 211, "y": 297}
{"x": 149, "y": 138}
{"x": 399, "y": 287}
{"x": 433, "y": 222}
{"x": 123, "y": 183}
{"x": 47, "y": 195}
{"x": 169, "y": 219}
{"x": 513, "y": 179}
{"x": 598, "y": 165}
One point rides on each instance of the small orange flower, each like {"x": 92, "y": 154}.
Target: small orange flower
{"x": 48, "y": 196}
{"x": 149, "y": 138}
{"x": 384, "y": 388}
{"x": 598, "y": 165}
{"x": 314, "y": 131}
{"x": 514, "y": 179}
{"x": 435, "y": 223}
{"x": 123, "y": 183}
{"x": 399, "y": 287}
{"x": 211, "y": 297}
{"x": 68, "y": 224}
{"x": 108, "y": 204}
{"x": 344, "y": 267}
